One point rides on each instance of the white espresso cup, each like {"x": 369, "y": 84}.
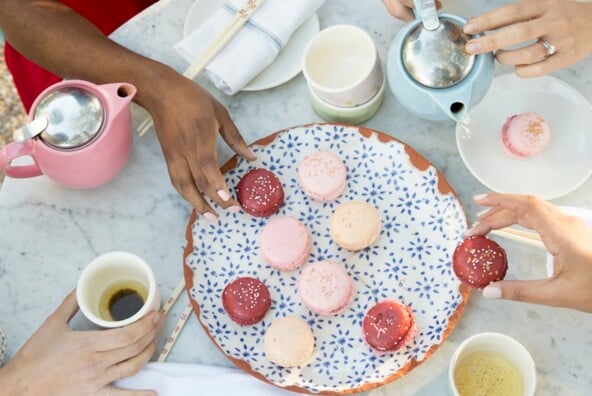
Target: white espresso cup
{"x": 508, "y": 347}
{"x": 342, "y": 66}
{"x": 108, "y": 273}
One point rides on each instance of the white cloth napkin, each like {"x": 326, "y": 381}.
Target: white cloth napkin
{"x": 254, "y": 47}
{"x": 175, "y": 379}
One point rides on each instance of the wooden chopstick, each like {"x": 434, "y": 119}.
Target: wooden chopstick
{"x": 221, "y": 41}
{"x": 524, "y": 237}
{"x": 168, "y": 346}
{"x": 166, "y": 307}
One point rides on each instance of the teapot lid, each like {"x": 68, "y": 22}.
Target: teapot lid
{"x": 437, "y": 58}
{"x": 75, "y": 117}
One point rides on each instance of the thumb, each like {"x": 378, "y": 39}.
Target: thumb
{"x": 110, "y": 390}
{"x": 67, "y": 308}
{"x": 543, "y": 291}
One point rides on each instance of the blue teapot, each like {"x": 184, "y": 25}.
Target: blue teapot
{"x": 429, "y": 71}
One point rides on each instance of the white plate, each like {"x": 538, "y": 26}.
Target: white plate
{"x": 566, "y": 163}
{"x": 288, "y": 63}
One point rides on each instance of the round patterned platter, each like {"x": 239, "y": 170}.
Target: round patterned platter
{"x": 422, "y": 223}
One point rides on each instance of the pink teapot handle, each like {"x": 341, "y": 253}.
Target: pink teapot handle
{"x": 13, "y": 151}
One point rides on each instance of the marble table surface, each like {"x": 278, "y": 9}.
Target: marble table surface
{"x": 49, "y": 233}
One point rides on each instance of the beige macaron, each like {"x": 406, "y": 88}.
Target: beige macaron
{"x": 289, "y": 342}
{"x": 355, "y": 225}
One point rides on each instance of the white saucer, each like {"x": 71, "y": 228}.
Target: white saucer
{"x": 566, "y": 163}
{"x": 288, "y": 63}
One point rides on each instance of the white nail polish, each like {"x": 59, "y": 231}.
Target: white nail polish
{"x": 224, "y": 195}
{"x": 479, "y": 197}
{"x": 483, "y": 213}
{"x": 492, "y": 292}
{"x": 234, "y": 209}
{"x": 212, "y": 218}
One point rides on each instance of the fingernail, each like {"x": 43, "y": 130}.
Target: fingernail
{"x": 470, "y": 28}
{"x": 492, "y": 292}
{"x": 479, "y": 197}
{"x": 212, "y": 218}
{"x": 473, "y": 47}
{"x": 253, "y": 153}
{"x": 234, "y": 208}
{"x": 483, "y": 213}
{"x": 470, "y": 232}
{"x": 156, "y": 317}
{"x": 224, "y": 195}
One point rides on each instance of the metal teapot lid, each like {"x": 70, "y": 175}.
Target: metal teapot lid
{"x": 434, "y": 52}
{"x": 74, "y": 117}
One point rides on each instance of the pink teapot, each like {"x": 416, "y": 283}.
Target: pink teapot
{"x": 79, "y": 134}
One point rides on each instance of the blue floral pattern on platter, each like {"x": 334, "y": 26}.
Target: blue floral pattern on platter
{"x": 411, "y": 261}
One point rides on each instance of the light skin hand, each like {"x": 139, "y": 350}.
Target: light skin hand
{"x": 403, "y": 9}
{"x": 563, "y": 23}
{"x": 566, "y": 238}
{"x": 59, "y": 361}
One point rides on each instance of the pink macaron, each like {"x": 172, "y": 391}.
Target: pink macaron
{"x": 322, "y": 176}
{"x": 325, "y": 288}
{"x": 525, "y": 135}
{"x": 285, "y": 243}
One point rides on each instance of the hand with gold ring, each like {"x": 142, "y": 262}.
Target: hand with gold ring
{"x": 60, "y": 361}
{"x": 553, "y": 34}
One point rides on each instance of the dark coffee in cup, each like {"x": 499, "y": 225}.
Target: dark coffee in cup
{"x": 122, "y": 300}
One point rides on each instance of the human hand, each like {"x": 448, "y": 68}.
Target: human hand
{"x": 566, "y": 238}
{"x": 187, "y": 121}
{"x": 403, "y": 9}
{"x": 565, "y": 24}
{"x": 59, "y": 361}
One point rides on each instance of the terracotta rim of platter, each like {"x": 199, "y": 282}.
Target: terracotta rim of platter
{"x": 418, "y": 162}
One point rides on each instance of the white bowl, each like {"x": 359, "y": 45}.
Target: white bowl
{"x": 561, "y": 168}
{"x": 505, "y": 345}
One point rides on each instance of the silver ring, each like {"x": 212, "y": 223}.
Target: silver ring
{"x": 549, "y": 48}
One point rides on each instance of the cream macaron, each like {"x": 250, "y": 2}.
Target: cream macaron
{"x": 355, "y": 225}
{"x": 289, "y": 342}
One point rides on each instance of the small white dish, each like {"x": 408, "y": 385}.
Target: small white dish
{"x": 505, "y": 345}
{"x": 566, "y": 163}
{"x": 286, "y": 65}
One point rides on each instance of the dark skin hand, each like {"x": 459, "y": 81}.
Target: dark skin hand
{"x": 186, "y": 117}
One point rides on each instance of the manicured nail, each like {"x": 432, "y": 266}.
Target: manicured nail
{"x": 253, "y": 153}
{"x": 473, "y": 47}
{"x": 212, "y": 218}
{"x": 470, "y": 231}
{"x": 483, "y": 213}
{"x": 479, "y": 197}
{"x": 492, "y": 292}
{"x": 234, "y": 208}
{"x": 156, "y": 317}
{"x": 470, "y": 28}
{"x": 224, "y": 195}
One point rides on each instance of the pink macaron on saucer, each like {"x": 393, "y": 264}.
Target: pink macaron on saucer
{"x": 325, "y": 288}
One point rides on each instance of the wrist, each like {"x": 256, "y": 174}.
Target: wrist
{"x": 9, "y": 380}
{"x": 154, "y": 84}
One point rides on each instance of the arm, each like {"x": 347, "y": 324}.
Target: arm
{"x": 186, "y": 117}
{"x": 567, "y": 238}
{"x": 59, "y": 361}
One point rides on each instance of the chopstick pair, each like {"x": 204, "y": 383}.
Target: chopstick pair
{"x": 524, "y": 237}
{"x": 166, "y": 307}
{"x": 221, "y": 41}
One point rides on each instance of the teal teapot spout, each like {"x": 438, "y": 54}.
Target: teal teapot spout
{"x": 429, "y": 71}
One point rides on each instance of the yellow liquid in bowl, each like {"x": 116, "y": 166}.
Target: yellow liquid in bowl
{"x": 487, "y": 373}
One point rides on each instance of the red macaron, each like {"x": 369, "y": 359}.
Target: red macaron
{"x": 478, "y": 261}
{"x": 388, "y": 326}
{"x": 246, "y": 300}
{"x": 260, "y": 193}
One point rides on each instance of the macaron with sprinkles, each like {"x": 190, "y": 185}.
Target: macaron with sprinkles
{"x": 322, "y": 176}
{"x": 325, "y": 288}
{"x": 260, "y": 193}
{"x": 246, "y": 300}
{"x": 389, "y": 326}
{"x": 478, "y": 261}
